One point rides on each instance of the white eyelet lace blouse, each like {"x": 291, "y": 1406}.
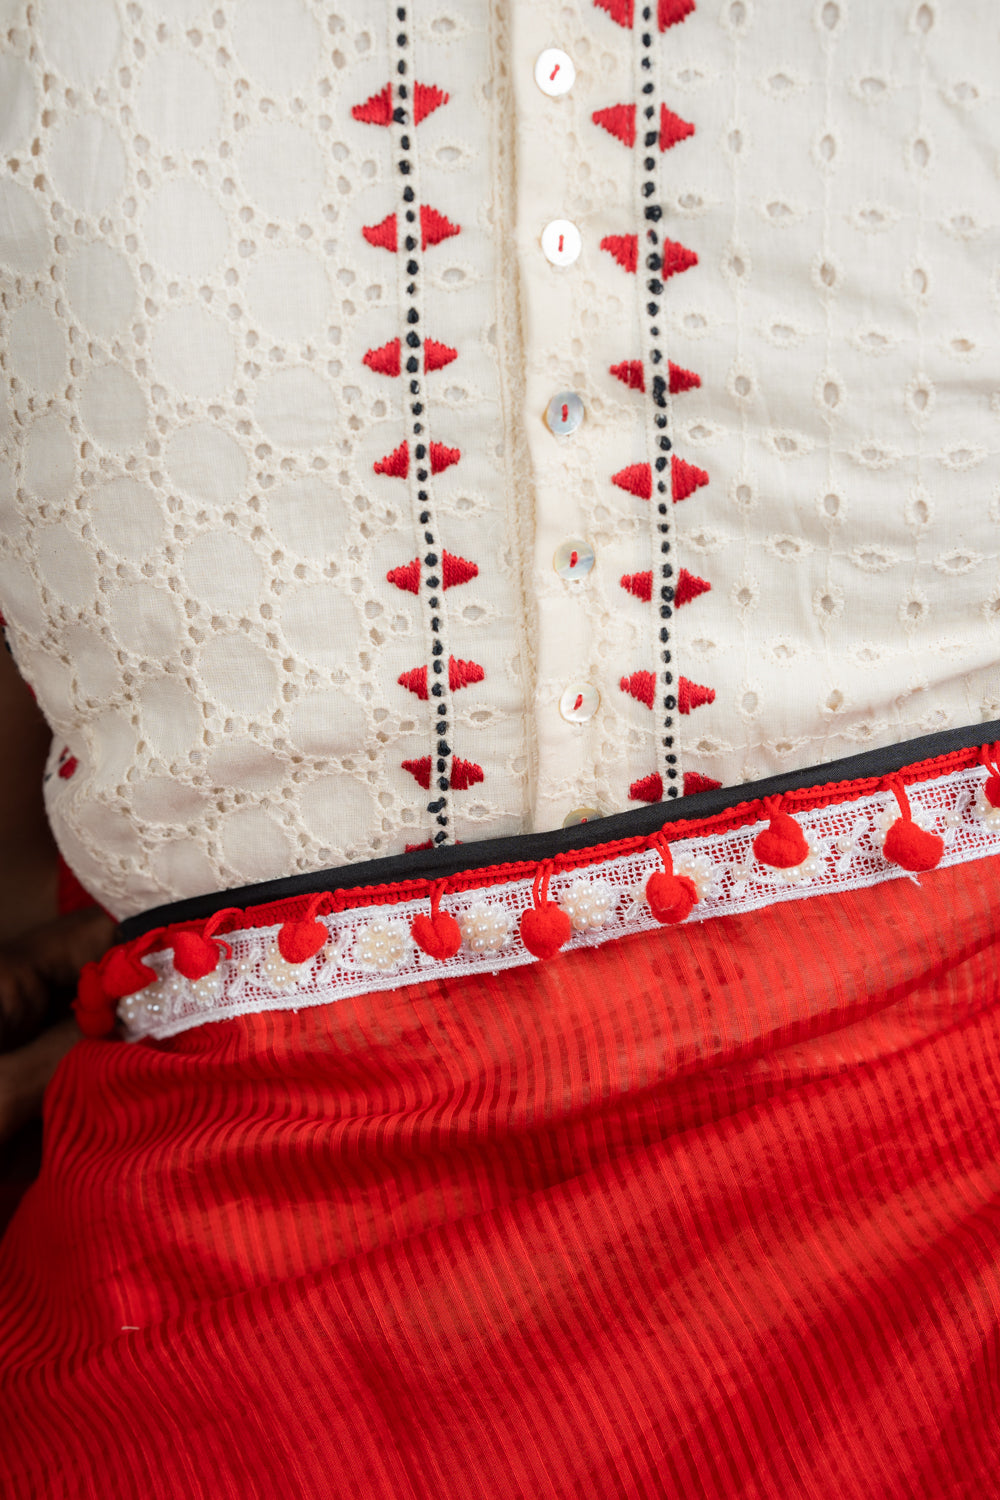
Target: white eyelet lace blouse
{"x": 420, "y": 431}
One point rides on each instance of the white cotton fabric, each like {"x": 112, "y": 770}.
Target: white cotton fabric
{"x": 194, "y": 542}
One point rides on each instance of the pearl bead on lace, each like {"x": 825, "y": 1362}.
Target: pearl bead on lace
{"x": 588, "y": 904}
{"x": 381, "y": 945}
{"x": 485, "y": 929}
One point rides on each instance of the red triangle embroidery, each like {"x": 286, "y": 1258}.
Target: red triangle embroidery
{"x": 638, "y": 584}
{"x": 649, "y": 789}
{"x": 455, "y": 570}
{"x": 434, "y": 227}
{"x": 682, "y": 380}
{"x": 676, "y": 258}
{"x": 630, "y": 373}
{"x": 671, "y": 12}
{"x": 637, "y": 479}
{"x": 618, "y": 120}
{"x": 672, "y": 128}
{"x": 426, "y": 99}
{"x": 437, "y": 356}
{"x": 412, "y": 848}
{"x": 692, "y": 695}
{"x": 407, "y": 577}
{"x": 625, "y": 250}
{"x": 694, "y": 783}
{"x": 442, "y": 458}
{"x": 384, "y": 361}
{"x": 396, "y": 464}
{"x": 382, "y": 236}
{"x": 464, "y": 773}
{"x": 689, "y": 586}
{"x": 462, "y": 673}
{"x": 622, "y": 11}
{"x": 420, "y": 770}
{"x": 377, "y": 110}
{"x": 641, "y": 686}
{"x": 415, "y": 681}
{"x": 685, "y": 478}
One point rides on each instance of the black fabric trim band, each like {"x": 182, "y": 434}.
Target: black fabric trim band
{"x": 435, "y": 864}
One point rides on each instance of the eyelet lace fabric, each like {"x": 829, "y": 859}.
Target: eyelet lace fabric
{"x": 265, "y": 643}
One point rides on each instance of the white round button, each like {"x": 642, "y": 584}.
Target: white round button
{"x": 581, "y": 815}
{"x": 564, "y": 413}
{"x": 554, "y": 72}
{"x": 579, "y": 702}
{"x": 561, "y": 242}
{"x": 573, "y": 558}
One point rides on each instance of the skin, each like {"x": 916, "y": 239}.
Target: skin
{"x": 41, "y": 954}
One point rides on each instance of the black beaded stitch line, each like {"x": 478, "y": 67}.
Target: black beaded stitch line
{"x": 410, "y": 243}
{"x": 659, "y": 388}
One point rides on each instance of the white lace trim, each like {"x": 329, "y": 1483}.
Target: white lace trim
{"x": 371, "y": 948}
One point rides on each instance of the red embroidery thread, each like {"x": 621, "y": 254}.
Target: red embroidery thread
{"x": 673, "y": 129}
{"x": 378, "y": 109}
{"x": 427, "y": 98}
{"x": 689, "y": 586}
{"x": 460, "y": 674}
{"x": 618, "y": 120}
{"x": 622, "y": 11}
{"x": 650, "y": 788}
{"x": 691, "y": 695}
{"x": 677, "y": 258}
{"x": 396, "y": 465}
{"x": 637, "y": 479}
{"x": 454, "y": 570}
{"x": 672, "y": 12}
{"x": 631, "y": 373}
{"x": 434, "y": 227}
{"x": 624, "y": 248}
{"x": 685, "y": 478}
{"x": 464, "y": 773}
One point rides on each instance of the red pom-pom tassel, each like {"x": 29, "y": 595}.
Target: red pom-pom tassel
{"x": 439, "y": 934}
{"x": 670, "y": 897}
{"x": 782, "y": 844}
{"x": 93, "y": 1008}
{"x": 907, "y": 845}
{"x": 545, "y": 927}
{"x": 103, "y": 983}
{"x": 197, "y": 953}
{"x": 991, "y": 790}
{"x": 301, "y": 938}
{"x": 122, "y": 970}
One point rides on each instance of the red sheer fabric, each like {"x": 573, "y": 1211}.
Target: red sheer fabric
{"x": 713, "y": 1213}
